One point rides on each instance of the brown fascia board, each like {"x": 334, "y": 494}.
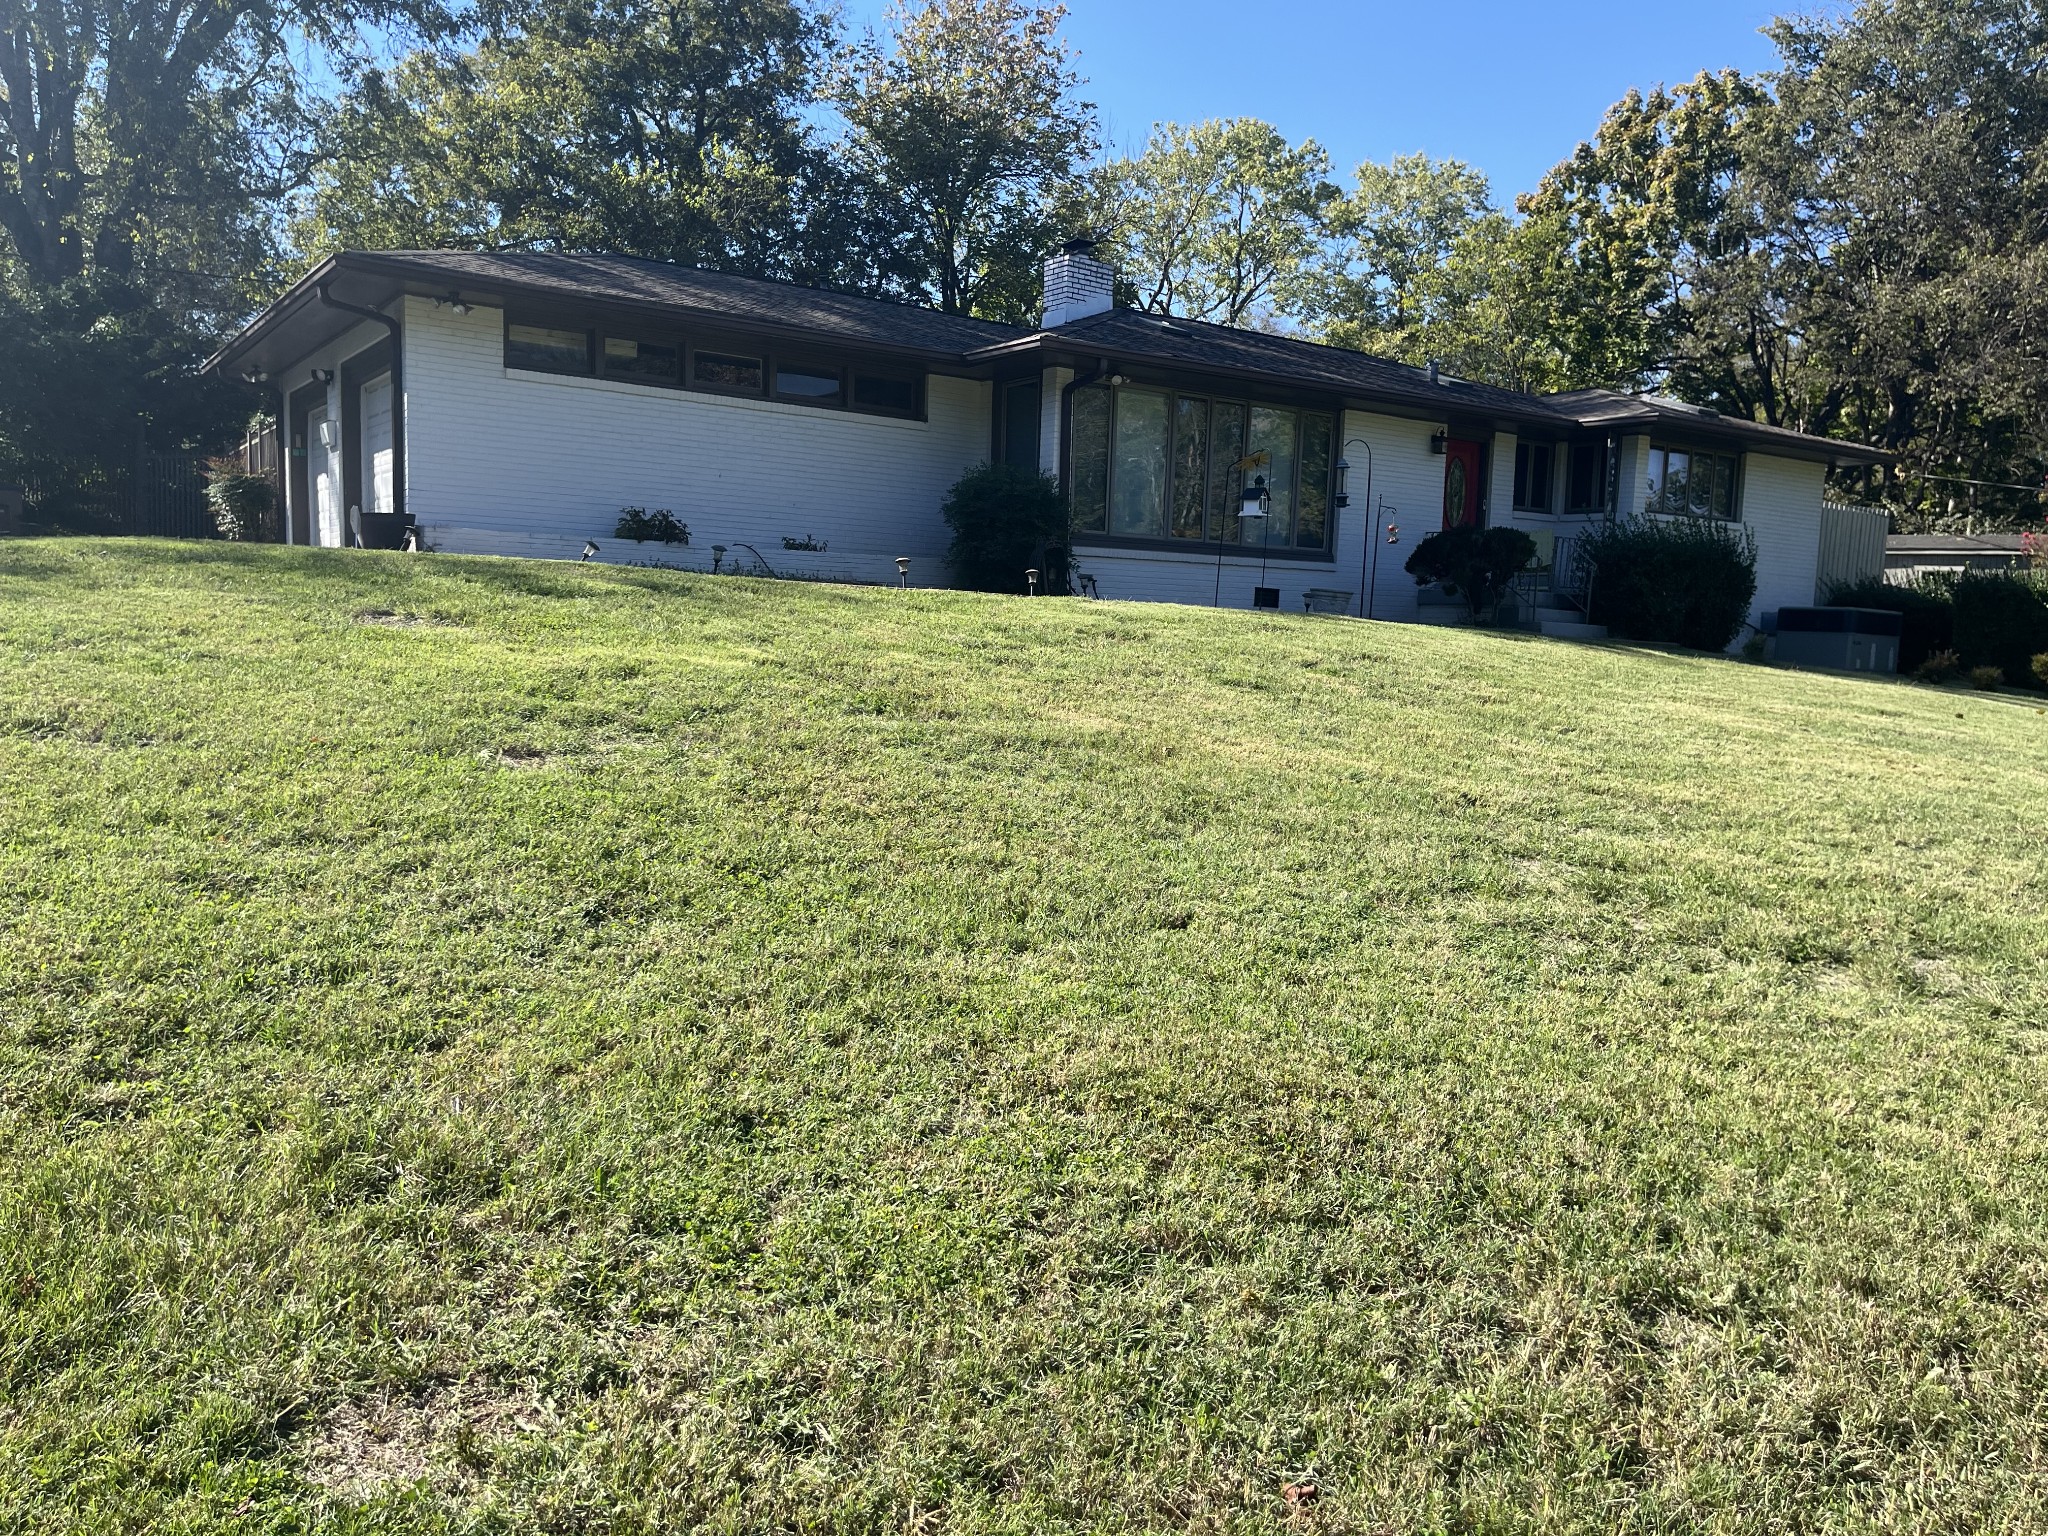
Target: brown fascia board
{"x": 403, "y": 277}
{"x": 1063, "y": 350}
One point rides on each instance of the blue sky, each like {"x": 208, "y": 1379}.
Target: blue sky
{"x": 1510, "y": 88}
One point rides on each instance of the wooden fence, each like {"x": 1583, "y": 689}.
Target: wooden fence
{"x": 1851, "y": 546}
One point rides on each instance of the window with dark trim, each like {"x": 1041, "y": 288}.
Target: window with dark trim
{"x": 1694, "y": 482}
{"x": 547, "y": 349}
{"x": 1154, "y": 464}
{"x": 729, "y": 372}
{"x": 1585, "y": 481}
{"x": 884, "y": 394}
{"x": 809, "y": 383}
{"x": 1533, "y": 476}
{"x": 641, "y": 362}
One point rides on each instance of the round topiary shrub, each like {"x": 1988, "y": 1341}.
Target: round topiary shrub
{"x": 1473, "y": 563}
{"x": 1673, "y": 580}
{"x": 1007, "y": 521}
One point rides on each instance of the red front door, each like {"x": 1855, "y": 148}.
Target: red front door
{"x": 1461, "y": 484}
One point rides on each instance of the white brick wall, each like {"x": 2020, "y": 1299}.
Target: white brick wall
{"x": 511, "y": 463}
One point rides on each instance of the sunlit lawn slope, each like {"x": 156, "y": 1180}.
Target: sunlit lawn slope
{"x": 524, "y": 1047}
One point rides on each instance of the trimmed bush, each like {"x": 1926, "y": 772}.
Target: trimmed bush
{"x": 645, "y": 527}
{"x": 2002, "y": 622}
{"x": 1006, "y": 521}
{"x": 1941, "y": 667}
{"x": 1473, "y": 563}
{"x": 1986, "y": 678}
{"x": 1673, "y": 581}
{"x": 2041, "y": 669}
{"x": 241, "y": 503}
{"x": 1926, "y": 609}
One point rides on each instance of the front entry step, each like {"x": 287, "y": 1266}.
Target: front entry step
{"x": 1547, "y": 614}
{"x": 1566, "y": 629}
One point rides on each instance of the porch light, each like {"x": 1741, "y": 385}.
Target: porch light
{"x": 1438, "y": 441}
{"x": 323, "y": 375}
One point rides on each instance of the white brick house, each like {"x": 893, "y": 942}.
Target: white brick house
{"x": 513, "y": 404}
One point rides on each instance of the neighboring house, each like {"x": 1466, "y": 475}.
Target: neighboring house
{"x": 512, "y": 404}
{"x": 1908, "y": 556}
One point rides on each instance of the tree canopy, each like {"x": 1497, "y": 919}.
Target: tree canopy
{"x": 1852, "y": 243}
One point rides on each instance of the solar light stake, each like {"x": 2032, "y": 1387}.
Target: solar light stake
{"x": 589, "y": 549}
{"x": 1031, "y": 583}
{"x": 717, "y": 557}
{"x": 903, "y": 572}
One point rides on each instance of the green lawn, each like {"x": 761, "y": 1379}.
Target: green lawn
{"x": 489, "y": 1045}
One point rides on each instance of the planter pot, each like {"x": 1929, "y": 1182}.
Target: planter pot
{"x": 385, "y": 530}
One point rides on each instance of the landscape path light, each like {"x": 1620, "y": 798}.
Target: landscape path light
{"x": 903, "y": 572}
{"x": 590, "y": 550}
{"x": 1031, "y": 582}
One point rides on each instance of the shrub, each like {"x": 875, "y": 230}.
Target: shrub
{"x": 1926, "y": 609}
{"x": 1986, "y": 678}
{"x": 1005, "y": 521}
{"x": 1474, "y": 563}
{"x": 643, "y": 526}
{"x": 2041, "y": 669}
{"x": 241, "y": 503}
{"x": 2002, "y": 622}
{"x": 1675, "y": 581}
{"x": 1941, "y": 667}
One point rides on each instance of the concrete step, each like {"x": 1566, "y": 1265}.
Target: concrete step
{"x": 1546, "y": 614}
{"x": 1564, "y": 629}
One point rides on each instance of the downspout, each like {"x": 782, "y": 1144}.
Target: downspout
{"x": 284, "y": 459}
{"x": 397, "y": 389}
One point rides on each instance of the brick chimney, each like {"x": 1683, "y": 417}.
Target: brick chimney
{"x": 1077, "y": 285}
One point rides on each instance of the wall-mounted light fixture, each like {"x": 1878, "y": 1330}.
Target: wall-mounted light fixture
{"x": 258, "y": 376}
{"x": 323, "y": 376}
{"x": 1117, "y": 381}
{"x": 454, "y": 302}
{"x": 1438, "y": 441}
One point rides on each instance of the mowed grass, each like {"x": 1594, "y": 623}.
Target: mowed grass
{"x": 497, "y": 1046}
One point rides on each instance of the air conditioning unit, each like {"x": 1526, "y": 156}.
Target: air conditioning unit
{"x": 1837, "y": 639}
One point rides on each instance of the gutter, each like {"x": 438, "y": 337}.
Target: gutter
{"x": 397, "y": 388}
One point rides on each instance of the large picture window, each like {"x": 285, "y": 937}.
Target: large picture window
{"x": 1691, "y": 482}
{"x": 1156, "y": 465}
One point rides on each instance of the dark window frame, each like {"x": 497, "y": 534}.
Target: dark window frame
{"x": 654, "y": 338}
{"x": 1603, "y": 451}
{"x": 1526, "y": 450}
{"x": 1735, "y": 459}
{"x": 850, "y": 368}
{"x": 543, "y": 322}
{"x": 799, "y": 363}
{"x": 1226, "y": 514}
